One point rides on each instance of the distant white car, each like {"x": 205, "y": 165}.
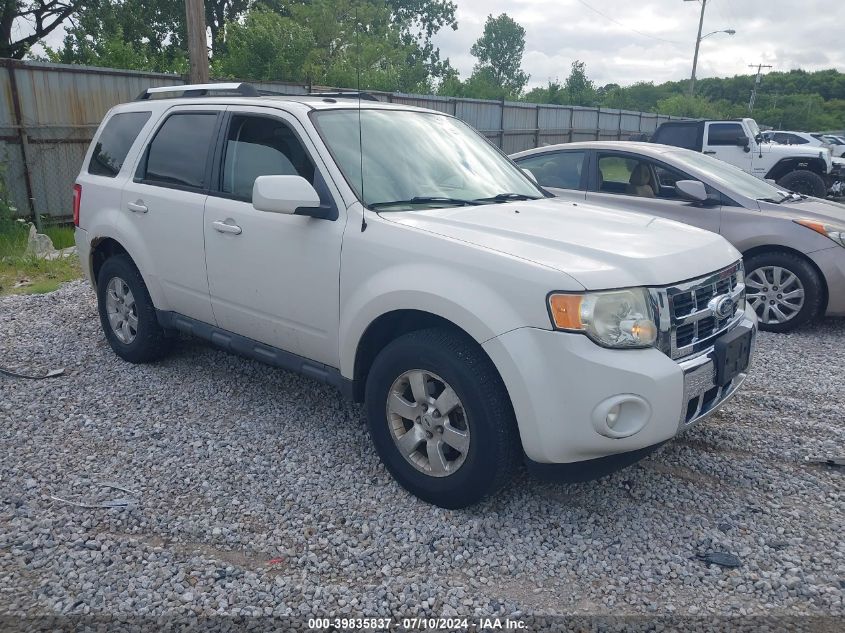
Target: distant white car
{"x": 837, "y": 143}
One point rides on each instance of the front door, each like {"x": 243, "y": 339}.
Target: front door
{"x": 723, "y": 141}
{"x": 637, "y": 183}
{"x": 272, "y": 277}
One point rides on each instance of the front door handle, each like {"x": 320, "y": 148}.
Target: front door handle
{"x": 137, "y": 207}
{"x": 708, "y": 151}
{"x": 224, "y": 227}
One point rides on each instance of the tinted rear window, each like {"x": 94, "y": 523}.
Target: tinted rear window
{"x": 177, "y": 155}
{"x": 114, "y": 143}
{"x": 685, "y": 136}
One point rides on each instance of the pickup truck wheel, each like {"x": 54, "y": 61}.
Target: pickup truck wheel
{"x": 784, "y": 290}
{"x": 805, "y": 182}
{"x": 441, "y": 419}
{"x": 127, "y": 314}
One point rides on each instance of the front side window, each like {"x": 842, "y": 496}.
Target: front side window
{"x": 115, "y": 142}
{"x": 724, "y": 133}
{"x": 410, "y": 160}
{"x": 177, "y": 155}
{"x": 559, "y": 169}
{"x": 261, "y": 146}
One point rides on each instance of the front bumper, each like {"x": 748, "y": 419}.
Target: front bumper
{"x": 562, "y": 386}
{"x": 831, "y": 263}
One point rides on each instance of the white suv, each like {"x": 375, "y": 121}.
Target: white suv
{"x": 392, "y": 252}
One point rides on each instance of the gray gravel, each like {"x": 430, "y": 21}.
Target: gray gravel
{"x": 259, "y": 494}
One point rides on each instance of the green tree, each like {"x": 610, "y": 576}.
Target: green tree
{"x": 697, "y": 107}
{"x": 265, "y": 46}
{"x": 499, "y": 51}
{"x": 580, "y": 90}
{"x": 42, "y": 17}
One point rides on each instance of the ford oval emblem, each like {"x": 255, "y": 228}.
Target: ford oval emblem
{"x": 722, "y": 307}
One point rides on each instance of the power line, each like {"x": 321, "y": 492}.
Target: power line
{"x": 625, "y": 26}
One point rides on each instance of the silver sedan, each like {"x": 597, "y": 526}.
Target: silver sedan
{"x": 793, "y": 245}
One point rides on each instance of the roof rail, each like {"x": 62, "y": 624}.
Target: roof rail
{"x": 345, "y": 94}
{"x": 200, "y": 90}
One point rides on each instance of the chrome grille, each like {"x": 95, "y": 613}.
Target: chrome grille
{"x": 692, "y": 324}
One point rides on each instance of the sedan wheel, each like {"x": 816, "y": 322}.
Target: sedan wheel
{"x": 775, "y": 293}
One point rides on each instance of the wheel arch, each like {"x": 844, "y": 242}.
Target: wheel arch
{"x": 389, "y": 326}
{"x": 102, "y": 249}
{"x": 775, "y": 248}
{"x": 787, "y": 165}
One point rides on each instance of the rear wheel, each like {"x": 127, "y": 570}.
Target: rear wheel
{"x": 804, "y": 182}
{"x": 127, "y": 314}
{"x": 784, "y": 289}
{"x": 441, "y": 419}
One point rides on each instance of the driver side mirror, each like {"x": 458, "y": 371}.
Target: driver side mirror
{"x": 286, "y": 194}
{"x": 530, "y": 174}
{"x": 693, "y": 190}
{"x": 744, "y": 141}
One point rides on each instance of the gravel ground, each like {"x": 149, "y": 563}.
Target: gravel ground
{"x": 258, "y": 493}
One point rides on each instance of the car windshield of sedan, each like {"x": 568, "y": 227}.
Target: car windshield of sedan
{"x": 419, "y": 160}
{"x": 732, "y": 180}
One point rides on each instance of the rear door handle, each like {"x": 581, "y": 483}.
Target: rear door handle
{"x": 224, "y": 227}
{"x": 137, "y": 207}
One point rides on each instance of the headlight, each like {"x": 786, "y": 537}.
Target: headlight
{"x": 836, "y": 233}
{"x": 613, "y": 318}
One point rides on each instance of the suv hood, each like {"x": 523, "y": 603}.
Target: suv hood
{"x": 776, "y": 149}
{"x": 597, "y": 246}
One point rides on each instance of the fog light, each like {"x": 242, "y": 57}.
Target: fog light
{"x": 621, "y": 416}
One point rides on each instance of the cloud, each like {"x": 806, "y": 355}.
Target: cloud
{"x": 653, "y": 40}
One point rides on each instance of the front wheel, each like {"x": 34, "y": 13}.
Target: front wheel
{"x": 804, "y": 182}
{"x": 784, "y": 289}
{"x": 441, "y": 419}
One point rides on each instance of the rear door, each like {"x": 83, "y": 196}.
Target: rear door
{"x": 562, "y": 172}
{"x": 165, "y": 201}
{"x": 633, "y": 182}
{"x": 723, "y": 140}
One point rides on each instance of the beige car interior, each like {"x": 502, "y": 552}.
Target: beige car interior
{"x": 640, "y": 183}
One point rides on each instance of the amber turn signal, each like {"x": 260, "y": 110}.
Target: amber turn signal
{"x": 566, "y": 311}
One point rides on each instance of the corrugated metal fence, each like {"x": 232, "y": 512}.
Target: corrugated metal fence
{"x": 49, "y": 113}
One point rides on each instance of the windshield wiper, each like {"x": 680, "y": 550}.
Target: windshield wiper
{"x": 772, "y": 200}
{"x": 424, "y": 200}
{"x": 506, "y": 197}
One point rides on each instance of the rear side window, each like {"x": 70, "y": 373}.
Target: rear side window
{"x": 115, "y": 141}
{"x": 724, "y": 133}
{"x": 685, "y": 136}
{"x": 561, "y": 169}
{"x": 177, "y": 156}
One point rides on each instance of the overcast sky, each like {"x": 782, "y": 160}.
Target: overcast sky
{"x": 653, "y": 40}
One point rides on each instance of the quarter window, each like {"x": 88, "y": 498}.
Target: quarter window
{"x": 261, "y": 146}
{"x": 560, "y": 169}
{"x": 724, "y": 133}
{"x": 115, "y": 141}
{"x": 177, "y": 154}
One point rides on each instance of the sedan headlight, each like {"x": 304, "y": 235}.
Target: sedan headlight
{"x": 836, "y": 233}
{"x": 612, "y": 318}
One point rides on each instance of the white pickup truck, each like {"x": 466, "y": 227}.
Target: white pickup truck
{"x": 806, "y": 170}
{"x": 394, "y": 253}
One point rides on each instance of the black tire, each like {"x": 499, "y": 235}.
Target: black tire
{"x": 810, "y": 281}
{"x": 494, "y": 447}
{"x": 149, "y": 343}
{"x": 804, "y": 182}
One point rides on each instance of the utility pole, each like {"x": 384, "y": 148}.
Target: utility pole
{"x": 197, "y": 42}
{"x": 697, "y": 45}
{"x": 757, "y": 80}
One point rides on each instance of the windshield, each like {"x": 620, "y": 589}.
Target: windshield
{"x": 414, "y": 159}
{"x": 731, "y": 179}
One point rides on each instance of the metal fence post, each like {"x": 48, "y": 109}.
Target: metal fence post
{"x": 537, "y": 125}
{"x": 24, "y": 142}
{"x": 502, "y": 124}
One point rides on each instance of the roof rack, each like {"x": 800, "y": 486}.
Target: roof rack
{"x": 345, "y": 94}
{"x": 200, "y": 90}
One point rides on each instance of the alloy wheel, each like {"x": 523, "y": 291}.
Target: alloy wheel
{"x": 121, "y": 310}
{"x": 428, "y": 423}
